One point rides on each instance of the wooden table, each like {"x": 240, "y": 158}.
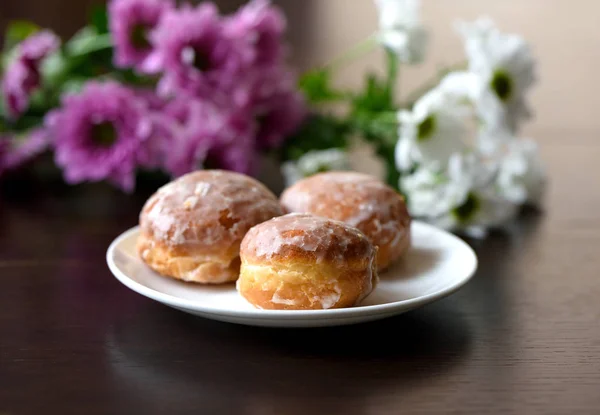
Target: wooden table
{"x": 522, "y": 337}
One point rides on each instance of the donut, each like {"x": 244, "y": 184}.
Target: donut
{"x": 306, "y": 262}
{"x": 360, "y": 200}
{"x": 192, "y": 227}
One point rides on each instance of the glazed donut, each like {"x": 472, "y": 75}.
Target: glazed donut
{"x": 306, "y": 262}
{"x": 192, "y": 227}
{"x": 359, "y": 200}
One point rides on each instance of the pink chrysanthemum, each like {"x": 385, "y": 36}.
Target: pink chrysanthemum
{"x": 131, "y": 22}
{"x": 22, "y": 76}
{"x": 17, "y": 84}
{"x": 272, "y": 98}
{"x": 195, "y": 55}
{"x": 236, "y": 148}
{"x": 199, "y": 134}
{"x": 101, "y": 133}
{"x": 283, "y": 113}
{"x": 37, "y": 46}
{"x": 191, "y": 129}
{"x": 260, "y": 26}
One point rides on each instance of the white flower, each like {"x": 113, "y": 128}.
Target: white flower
{"x": 462, "y": 85}
{"x": 315, "y": 162}
{"x": 521, "y": 176}
{"x": 460, "y": 197}
{"x": 401, "y": 30}
{"x": 506, "y": 70}
{"x": 437, "y": 127}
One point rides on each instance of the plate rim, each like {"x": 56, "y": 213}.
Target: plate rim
{"x": 331, "y": 314}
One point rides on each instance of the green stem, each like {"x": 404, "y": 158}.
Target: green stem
{"x": 357, "y": 50}
{"x": 387, "y": 117}
{"x": 393, "y": 70}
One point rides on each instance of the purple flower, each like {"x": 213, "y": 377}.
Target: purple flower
{"x": 283, "y": 113}
{"x": 17, "y": 150}
{"x": 198, "y": 133}
{"x": 260, "y": 26}
{"x": 22, "y": 76}
{"x": 101, "y": 133}
{"x": 191, "y": 129}
{"x": 278, "y": 107}
{"x": 195, "y": 54}
{"x": 37, "y": 46}
{"x": 17, "y": 84}
{"x": 131, "y": 22}
{"x": 236, "y": 148}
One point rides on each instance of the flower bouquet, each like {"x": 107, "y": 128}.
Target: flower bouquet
{"x": 149, "y": 86}
{"x": 451, "y": 147}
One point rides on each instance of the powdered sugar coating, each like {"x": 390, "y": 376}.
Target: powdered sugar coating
{"x": 312, "y": 237}
{"x": 357, "y": 199}
{"x": 209, "y": 210}
{"x": 302, "y": 261}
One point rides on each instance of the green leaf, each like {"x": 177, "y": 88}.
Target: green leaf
{"x": 131, "y": 77}
{"x": 377, "y": 97}
{"x": 316, "y": 86}
{"x": 54, "y": 69}
{"x": 17, "y": 31}
{"x": 88, "y": 41}
{"x": 24, "y": 123}
{"x": 373, "y": 117}
{"x": 3, "y": 126}
{"x": 2, "y": 113}
{"x": 89, "y": 54}
{"x": 72, "y": 86}
{"x": 319, "y": 132}
{"x": 99, "y": 18}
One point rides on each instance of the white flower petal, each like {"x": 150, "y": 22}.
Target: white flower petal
{"x": 401, "y": 30}
{"x": 505, "y": 67}
{"x": 457, "y": 197}
{"x": 521, "y": 177}
{"x": 314, "y": 162}
{"x": 403, "y": 155}
{"x": 437, "y": 127}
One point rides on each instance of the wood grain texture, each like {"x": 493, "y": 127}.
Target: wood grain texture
{"x": 521, "y": 338}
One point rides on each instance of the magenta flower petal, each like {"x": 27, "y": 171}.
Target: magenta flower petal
{"x": 260, "y": 26}
{"x": 17, "y": 84}
{"x": 20, "y": 150}
{"x": 284, "y": 112}
{"x": 37, "y": 46}
{"x": 272, "y": 97}
{"x": 236, "y": 148}
{"x": 22, "y": 76}
{"x": 100, "y": 134}
{"x": 131, "y": 23}
{"x": 196, "y": 56}
{"x": 195, "y": 127}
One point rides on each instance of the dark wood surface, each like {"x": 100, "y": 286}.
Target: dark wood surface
{"x": 522, "y": 337}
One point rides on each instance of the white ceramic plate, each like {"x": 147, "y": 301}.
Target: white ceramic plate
{"x": 437, "y": 264}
